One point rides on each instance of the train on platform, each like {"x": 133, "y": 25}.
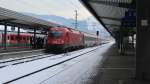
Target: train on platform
{"x": 25, "y": 40}
{"x": 57, "y": 39}
{"x": 64, "y": 38}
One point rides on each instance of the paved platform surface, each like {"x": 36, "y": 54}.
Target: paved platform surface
{"x": 116, "y": 69}
{"x": 13, "y": 53}
{"x": 2, "y": 50}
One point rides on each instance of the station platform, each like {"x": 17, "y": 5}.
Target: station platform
{"x": 18, "y": 52}
{"x": 16, "y": 49}
{"x": 2, "y": 50}
{"x": 116, "y": 68}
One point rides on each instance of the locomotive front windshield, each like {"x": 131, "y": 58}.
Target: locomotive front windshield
{"x": 55, "y": 34}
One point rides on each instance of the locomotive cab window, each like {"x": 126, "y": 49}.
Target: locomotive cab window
{"x": 55, "y": 34}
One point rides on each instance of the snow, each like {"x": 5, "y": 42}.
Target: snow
{"x": 75, "y": 71}
{"x": 14, "y": 71}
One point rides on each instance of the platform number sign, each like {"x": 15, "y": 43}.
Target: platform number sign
{"x": 129, "y": 20}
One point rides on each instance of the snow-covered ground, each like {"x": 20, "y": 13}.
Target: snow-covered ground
{"x": 74, "y": 71}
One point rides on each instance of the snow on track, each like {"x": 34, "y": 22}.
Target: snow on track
{"x": 10, "y": 73}
{"x": 23, "y": 60}
{"x": 75, "y": 71}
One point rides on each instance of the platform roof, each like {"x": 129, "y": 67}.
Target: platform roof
{"x": 109, "y": 12}
{"x": 14, "y": 18}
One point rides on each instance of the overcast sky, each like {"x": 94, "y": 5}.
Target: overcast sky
{"x": 63, "y": 8}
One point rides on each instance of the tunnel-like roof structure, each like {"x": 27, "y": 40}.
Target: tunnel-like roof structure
{"x": 112, "y": 14}
{"x": 13, "y": 18}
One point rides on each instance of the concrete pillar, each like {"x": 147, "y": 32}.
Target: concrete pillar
{"x": 143, "y": 40}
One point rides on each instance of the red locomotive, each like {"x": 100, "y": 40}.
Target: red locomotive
{"x": 62, "y": 38}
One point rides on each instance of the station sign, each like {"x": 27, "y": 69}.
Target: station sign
{"x": 130, "y": 19}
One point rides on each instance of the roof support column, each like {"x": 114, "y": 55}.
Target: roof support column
{"x": 5, "y": 35}
{"x": 18, "y": 36}
{"x": 34, "y": 38}
{"x": 121, "y": 47}
{"x": 143, "y": 40}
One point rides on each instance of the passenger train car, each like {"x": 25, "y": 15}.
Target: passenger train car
{"x": 12, "y": 39}
{"x": 90, "y": 39}
{"x": 62, "y": 38}
{"x": 25, "y": 39}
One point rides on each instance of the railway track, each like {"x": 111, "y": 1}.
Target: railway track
{"x": 23, "y": 60}
{"x": 11, "y": 53}
{"x": 51, "y": 65}
{"x": 20, "y": 60}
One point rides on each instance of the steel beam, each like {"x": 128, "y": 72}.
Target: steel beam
{"x": 117, "y": 4}
{"x": 111, "y": 18}
{"x": 7, "y": 20}
{"x": 113, "y": 25}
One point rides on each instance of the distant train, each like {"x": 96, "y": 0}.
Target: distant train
{"x": 25, "y": 39}
{"x": 62, "y": 38}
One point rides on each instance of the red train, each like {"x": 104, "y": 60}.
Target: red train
{"x": 12, "y": 39}
{"x": 62, "y": 38}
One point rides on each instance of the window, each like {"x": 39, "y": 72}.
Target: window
{"x": 8, "y": 37}
{"x": 24, "y": 38}
{"x": 12, "y": 38}
{"x": 15, "y": 37}
{"x": 28, "y": 38}
{"x": 20, "y": 37}
{"x": 55, "y": 34}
